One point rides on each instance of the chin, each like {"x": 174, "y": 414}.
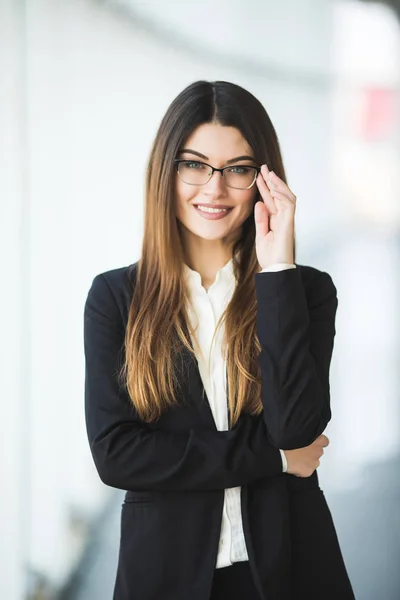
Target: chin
{"x": 208, "y": 234}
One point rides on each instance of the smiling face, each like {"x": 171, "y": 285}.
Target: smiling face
{"x": 219, "y": 146}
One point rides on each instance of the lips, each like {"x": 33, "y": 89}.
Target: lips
{"x": 212, "y": 206}
{"x": 213, "y": 216}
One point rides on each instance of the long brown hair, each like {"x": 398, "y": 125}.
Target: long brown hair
{"x": 158, "y": 322}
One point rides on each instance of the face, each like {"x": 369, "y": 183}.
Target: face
{"x": 219, "y": 146}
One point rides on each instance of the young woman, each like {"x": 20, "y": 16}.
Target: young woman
{"x": 207, "y": 372}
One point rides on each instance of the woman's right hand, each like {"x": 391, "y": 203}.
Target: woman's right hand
{"x": 302, "y": 462}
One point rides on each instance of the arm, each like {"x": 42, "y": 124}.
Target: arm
{"x": 296, "y": 349}
{"x": 129, "y": 454}
{"x": 273, "y": 269}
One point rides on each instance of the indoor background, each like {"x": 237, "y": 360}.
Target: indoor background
{"x": 83, "y": 86}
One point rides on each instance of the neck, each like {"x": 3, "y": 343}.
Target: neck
{"x": 206, "y": 258}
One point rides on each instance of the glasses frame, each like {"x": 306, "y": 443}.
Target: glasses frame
{"x": 178, "y": 161}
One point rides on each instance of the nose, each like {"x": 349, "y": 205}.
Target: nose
{"x": 216, "y": 185}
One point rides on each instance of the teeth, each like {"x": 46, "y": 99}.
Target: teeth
{"x": 212, "y": 210}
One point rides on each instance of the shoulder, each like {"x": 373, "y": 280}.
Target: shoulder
{"x": 113, "y": 290}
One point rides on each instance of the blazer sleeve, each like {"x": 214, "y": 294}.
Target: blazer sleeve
{"x": 129, "y": 454}
{"x": 296, "y": 338}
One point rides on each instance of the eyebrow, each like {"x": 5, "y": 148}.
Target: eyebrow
{"x": 232, "y": 160}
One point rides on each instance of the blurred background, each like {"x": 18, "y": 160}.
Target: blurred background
{"x": 83, "y": 86}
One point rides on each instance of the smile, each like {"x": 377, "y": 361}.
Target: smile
{"x": 212, "y": 213}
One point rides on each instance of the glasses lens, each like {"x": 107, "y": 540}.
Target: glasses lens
{"x": 240, "y": 177}
{"x": 193, "y": 172}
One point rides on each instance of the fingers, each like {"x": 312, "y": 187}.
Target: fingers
{"x": 273, "y": 189}
{"x": 282, "y": 198}
{"x": 324, "y": 440}
{"x": 264, "y": 190}
{"x": 277, "y": 187}
{"x": 261, "y": 219}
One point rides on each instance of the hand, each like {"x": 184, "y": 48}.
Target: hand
{"x": 274, "y": 239}
{"x": 303, "y": 461}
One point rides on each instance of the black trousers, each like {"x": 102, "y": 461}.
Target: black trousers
{"x": 234, "y": 583}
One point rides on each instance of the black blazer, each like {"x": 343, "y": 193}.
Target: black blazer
{"x": 175, "y": 470}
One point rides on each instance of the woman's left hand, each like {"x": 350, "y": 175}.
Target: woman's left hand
{"x": 274, "y": 218}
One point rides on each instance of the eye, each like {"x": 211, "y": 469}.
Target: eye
{"x": 239, "y": 170}
{"x": 193, "y": 164}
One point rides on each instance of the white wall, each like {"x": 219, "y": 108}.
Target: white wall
{"x": 14, "y": 375}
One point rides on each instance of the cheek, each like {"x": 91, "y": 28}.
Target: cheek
{"x": 247, "y": 201}
{"x": 183, "y": 194}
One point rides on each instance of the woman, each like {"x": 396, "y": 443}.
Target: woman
{"x": 207, "y": 372}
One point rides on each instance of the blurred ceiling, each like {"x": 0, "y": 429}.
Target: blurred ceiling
{"x": 394, "y": 4}
{"x": 225, "y": 33}
{"x": 147, "y": 7}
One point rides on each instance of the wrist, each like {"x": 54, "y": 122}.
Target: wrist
{"x": 272, "y": 263}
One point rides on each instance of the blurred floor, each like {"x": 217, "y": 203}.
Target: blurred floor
{"x": 96, "y": 575}
{"x": 368, "y": 523}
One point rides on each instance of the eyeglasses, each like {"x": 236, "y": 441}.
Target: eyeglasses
{"x": 239, "y": 177}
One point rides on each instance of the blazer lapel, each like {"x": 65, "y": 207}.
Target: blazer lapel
{"x": 195, "y": 388}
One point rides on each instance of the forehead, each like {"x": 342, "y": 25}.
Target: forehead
{"x": 218, "y": 142}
